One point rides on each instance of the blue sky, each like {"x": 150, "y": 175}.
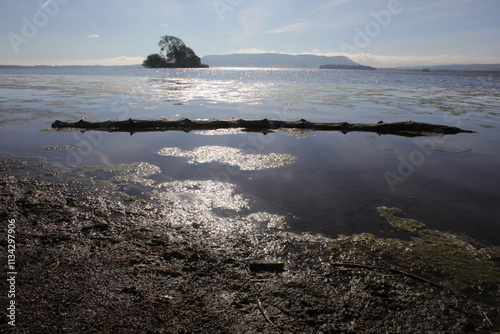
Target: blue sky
{"x": 377, "y": 32}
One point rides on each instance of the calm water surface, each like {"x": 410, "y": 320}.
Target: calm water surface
{"x": 324, "y": 182}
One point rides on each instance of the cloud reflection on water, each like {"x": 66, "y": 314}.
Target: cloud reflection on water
{"x": 230, "y": 155}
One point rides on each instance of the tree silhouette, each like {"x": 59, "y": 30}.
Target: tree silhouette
{"x": 155, "y": 60}
{"x": 173, "y": 53}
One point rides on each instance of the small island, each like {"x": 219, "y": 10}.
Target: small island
{"x": 173, "y": 54}
{"x": 346, "y": 67}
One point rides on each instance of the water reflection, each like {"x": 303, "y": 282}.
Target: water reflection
{"x": 215, "y": 207}
{"x": 231, "y": 156}
{"x": 311, "y": 94}
{"x": 332, "y": 182}
{"x": 210, "y": 91}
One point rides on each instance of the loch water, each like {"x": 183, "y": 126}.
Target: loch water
{"x": 323, "y": 182}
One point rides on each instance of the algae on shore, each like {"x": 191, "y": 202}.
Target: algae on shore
{"x": 391, "y": 214}
{"x": 458, "y": 260}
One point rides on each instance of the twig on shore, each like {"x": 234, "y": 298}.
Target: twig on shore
{"x": 55, "y": 265}
{"x": 391, "y": 269}
{"x": 264, "y": 313}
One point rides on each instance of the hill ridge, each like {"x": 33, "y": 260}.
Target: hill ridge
{"x": 274, "y": 60}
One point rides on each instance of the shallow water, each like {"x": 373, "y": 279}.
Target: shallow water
{"x": 324, "y": 182}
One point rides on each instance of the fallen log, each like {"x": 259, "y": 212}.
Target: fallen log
{"x": 408, "y": 128}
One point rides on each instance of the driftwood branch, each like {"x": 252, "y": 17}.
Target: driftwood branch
{"x": 408, "y": 128}
{"x": 390, "y": 269}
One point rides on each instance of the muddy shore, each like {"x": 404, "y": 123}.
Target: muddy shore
{"x": 91, "y": 258}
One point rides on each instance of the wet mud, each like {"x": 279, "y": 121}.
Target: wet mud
{"x": 195, "y": 257}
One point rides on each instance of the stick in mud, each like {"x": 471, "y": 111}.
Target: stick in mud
{"x": 391, "y": 269}
{"x": 407, "y": 128}
{"x": 264, "y": 313}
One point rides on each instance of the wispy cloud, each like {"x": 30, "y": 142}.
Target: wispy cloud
{"x": 255, "y": 50}
{"x": 444, "y": 8}
{"x": 292, "y": 27}
{"x": 122, "y": 60}
{"x": 330, "y": 4}
{"x": 425, "y": 7}
{"x": 45, "y": 4}
{"x": 253, "y": 20}
{"x": 94, "y": 36}
{"x": 335, "y": 3}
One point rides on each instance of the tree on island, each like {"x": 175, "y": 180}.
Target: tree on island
{"x": 173, "y": 53}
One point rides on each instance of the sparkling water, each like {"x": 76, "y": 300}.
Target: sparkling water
{"x": 325, "y": 182}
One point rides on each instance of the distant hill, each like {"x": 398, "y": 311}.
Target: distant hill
{"x": 464, "y": 67}
{"x": 346, "y": 67}
{"x": 274, "y": 60}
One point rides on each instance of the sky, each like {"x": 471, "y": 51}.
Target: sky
{"x": 382, "y": 33}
